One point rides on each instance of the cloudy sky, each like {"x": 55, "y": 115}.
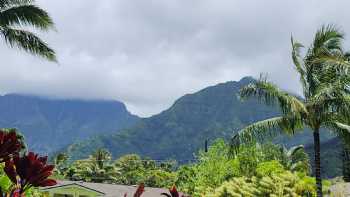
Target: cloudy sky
{"x": 147, "y": 53}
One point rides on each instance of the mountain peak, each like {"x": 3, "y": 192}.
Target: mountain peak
{"x": 246, "y": 80}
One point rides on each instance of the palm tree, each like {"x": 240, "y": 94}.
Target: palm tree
{"x": 97, "y": 168}
{"x": 101, "y": 157}
{"x": 323, "y": 73}
{"x": 60, "y": 162}
{"x": 15, "y": 14}
{"x": 296, "y": 159}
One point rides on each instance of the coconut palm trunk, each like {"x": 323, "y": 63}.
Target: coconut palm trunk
{"x": 317, "y": 149}
{"x": 346, "y": 162}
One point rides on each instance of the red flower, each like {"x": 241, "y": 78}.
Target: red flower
{"x": 31, "y": 170}
{"x": 10, "y": 144}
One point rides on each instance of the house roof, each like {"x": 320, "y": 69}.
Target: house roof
{"x": 110, "y": 190}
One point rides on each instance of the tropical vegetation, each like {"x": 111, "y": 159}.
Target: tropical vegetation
{"x": 211, "y": 171}
{"x": 218, "y": 167}
{"x": 323, "y": 72}
{"x": 246, "y": 167}
{"x": 126, "y": 170}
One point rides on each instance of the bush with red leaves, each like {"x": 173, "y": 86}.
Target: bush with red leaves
{"x": 28, "y": 171}
{"x": 173, "y": 193}
{"x": 10, "y": 144}
{"x": 139, "y": 191}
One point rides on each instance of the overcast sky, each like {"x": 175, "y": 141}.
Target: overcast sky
{"x": 147, "y": 53}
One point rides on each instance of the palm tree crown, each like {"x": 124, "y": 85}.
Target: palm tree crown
{"x": 98, "y": 168}
{"x": 323, "y": 73}
{"x": 16, "y": 14}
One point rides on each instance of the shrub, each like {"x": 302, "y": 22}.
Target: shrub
{"x": 272, "y": 180}
{"x": 214, "y": 168}
{"x": 269, "y": 168}
{"x": 236, "y": 188}
{"x": 23, "y": 171}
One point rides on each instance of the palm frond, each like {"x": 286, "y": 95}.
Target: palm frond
{"x": 297, "y": 60}
{"x": 343, "y": 126}
{"x": 26, "y": 15}
{"x": 342, "y": 130}
{"x": 266, "y": 129}
{"x": 325, "y": 49}
{"x": 338, "y": 63}
{"x": 28, "y": 41}
{"x": 328, "y": 36}
{"x": 4, "y": 4}
{"x": 330, "y": 100}
{"x": 293, "y": 150}
{"x": 271, "y": 95}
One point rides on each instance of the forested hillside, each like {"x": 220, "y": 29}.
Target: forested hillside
{"x": 49, "y": 124}
{"x": 181, "y": 130}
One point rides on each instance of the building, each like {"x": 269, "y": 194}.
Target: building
{"x": 84, "y": 189}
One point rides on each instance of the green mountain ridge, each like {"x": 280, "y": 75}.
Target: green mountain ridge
{"x": 180, "y": 131}
{"x": 51, "y": 124}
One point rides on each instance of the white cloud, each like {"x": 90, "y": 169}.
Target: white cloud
{"x": 148, "y": 53}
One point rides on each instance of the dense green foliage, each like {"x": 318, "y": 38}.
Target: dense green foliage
{"x": 135, "y": 170}
{"x": 210, "y": 170}
{"x": 271, "y": 180}
{"x": 97, "y": 168}
{"x": 251, "y": 170}
{"x": 126, "y": 170}
{"x": 218, "y": 166}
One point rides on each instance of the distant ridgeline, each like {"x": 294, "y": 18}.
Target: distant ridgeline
{"x": 49, "y": 125}
{"x": 180, "y": 131}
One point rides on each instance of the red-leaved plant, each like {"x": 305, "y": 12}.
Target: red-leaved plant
{"x": 10, "y": 144}
{"x": 173, "y": 193}
{"x": 28, "y": 171}
{"x": 139, "y": 191}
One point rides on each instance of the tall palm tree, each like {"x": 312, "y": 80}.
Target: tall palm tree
{"x": 97, "y": 168}
{"x": 323, "y": 72}
{"x": 101, "y": 157}
{"x": 60, "y": 162}
{"x": 16, "y": 14}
